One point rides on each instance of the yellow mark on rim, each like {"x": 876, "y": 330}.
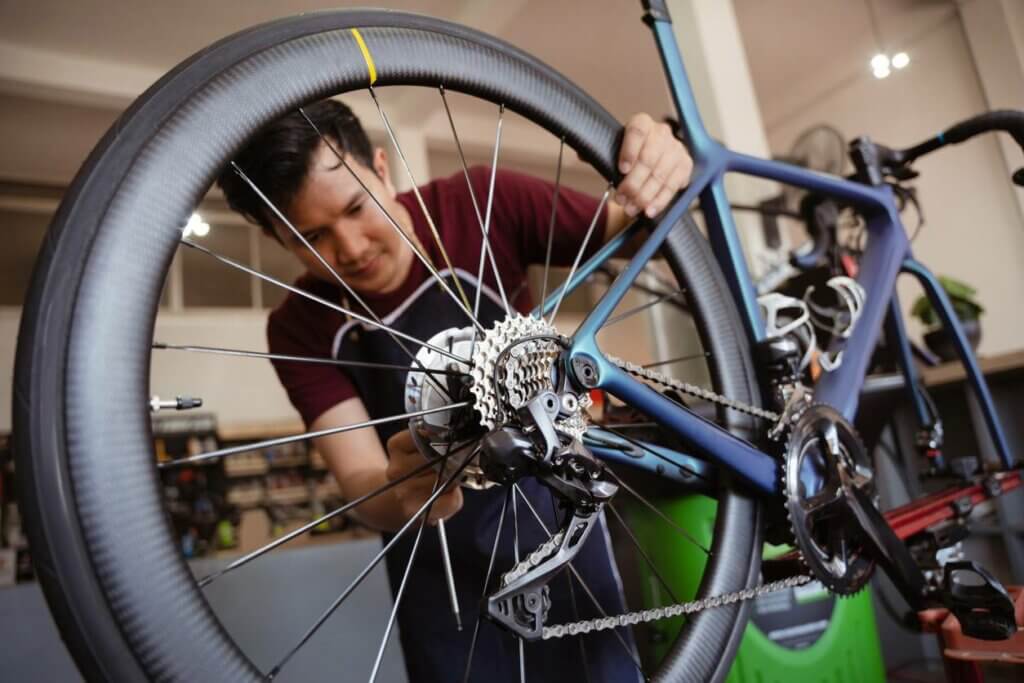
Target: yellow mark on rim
{"x": 366, "y": 55}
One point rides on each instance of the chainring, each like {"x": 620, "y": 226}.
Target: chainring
{"x": 824, "y": 460}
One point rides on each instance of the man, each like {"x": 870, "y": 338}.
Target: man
{"x": 295, "y": 163}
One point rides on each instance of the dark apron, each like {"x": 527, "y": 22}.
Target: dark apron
{"x": 434, "y": 650}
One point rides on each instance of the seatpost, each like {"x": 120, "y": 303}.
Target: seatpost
{"x": 656, "y": 16}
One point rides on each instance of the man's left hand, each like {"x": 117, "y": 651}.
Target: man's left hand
{"x": 655, "y": 166}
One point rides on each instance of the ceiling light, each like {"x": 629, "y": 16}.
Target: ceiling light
{"x": 196, "y": 226}
{"x": 881, "y": 73}
{"x": 900, "y": 60}
{"x": 880, "y": 62}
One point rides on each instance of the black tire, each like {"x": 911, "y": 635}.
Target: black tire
{"x": 121, "y": 593}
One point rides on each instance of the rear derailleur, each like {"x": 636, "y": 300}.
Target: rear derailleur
{"x": 535, "y": 447}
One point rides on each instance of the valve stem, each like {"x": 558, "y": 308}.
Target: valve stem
{"x": 156, "y": 404}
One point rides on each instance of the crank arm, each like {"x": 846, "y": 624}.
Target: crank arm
{"x": 889, "y": 550}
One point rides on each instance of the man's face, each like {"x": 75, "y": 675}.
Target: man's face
{"x": 346, "y": 227}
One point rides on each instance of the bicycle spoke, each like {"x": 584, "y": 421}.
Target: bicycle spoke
{"x": 551, "y": 225}
{"x": 583, "y": 585}
{"x": 259, "y": 552}
{"x": 401, "y": 588}
{"x": 416, "y": 193}
{"x": 476, "y": 206}
{"x": 373, "y": 563}
{"x": 222, "y": 452}
{"x": 487, "y": 581}
{"x": 668, "y": 520}
{"x": 301, "y": 359}
{"x": 680, "y": 359}
{"x": 319, "y": 300}
{"x": 485, "y": 247}
{"x": 593, "y": 598}
{"x": 515, "y": 556}
{"x": 572, "y": 601}
{"x": 579, "y": 254}
{"x": 424, "y": 259}
{"x": 642, "y": 307}
{"x": 330, "y": 269}
{"x": 647, "y": 271}
{"x": 643, "y": 553}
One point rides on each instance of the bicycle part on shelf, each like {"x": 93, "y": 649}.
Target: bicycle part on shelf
{"x": 825, "y": 462}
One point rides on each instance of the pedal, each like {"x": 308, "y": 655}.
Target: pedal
{"x": 980, "y": 603}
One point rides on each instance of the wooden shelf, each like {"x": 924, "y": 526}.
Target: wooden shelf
{"x": 287, "y": 495}
{"x": 948, "y": 373}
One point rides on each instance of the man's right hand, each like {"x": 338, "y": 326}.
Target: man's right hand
{"x": 403, "y": 457}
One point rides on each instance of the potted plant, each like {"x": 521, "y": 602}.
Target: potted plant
{"x": 967, "y": 309}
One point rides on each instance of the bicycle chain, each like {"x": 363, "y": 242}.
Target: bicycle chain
{"x": 546, "y": 549}
{"x": 692, "y": 389}
{"x": 533, "y": 559}
{"x": 656, "y": 613}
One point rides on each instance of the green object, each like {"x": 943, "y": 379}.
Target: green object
{"x": 960, "y": 294}
{"x": 225, "y": 534}
{"x": 799, "y": 635}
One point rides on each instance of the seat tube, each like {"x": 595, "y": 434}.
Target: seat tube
{"x": 728, "y": 250}
{"x": 657, "y": 17}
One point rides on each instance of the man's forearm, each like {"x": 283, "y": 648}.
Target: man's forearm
{"x": 382, "y": 512}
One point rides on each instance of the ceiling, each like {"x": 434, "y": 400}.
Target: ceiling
{"x": 67, "y": 69}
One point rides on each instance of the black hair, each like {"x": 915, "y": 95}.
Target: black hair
{"x": 278, "y": 158}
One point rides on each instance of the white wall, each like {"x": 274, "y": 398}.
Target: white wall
{"x": 974, "y": 230}
{"x": 241, "y": 391}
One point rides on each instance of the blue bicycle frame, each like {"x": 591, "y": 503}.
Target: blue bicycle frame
{"x": 886, "y": 255}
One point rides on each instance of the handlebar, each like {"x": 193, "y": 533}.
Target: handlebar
{"x": 896, "y": 161}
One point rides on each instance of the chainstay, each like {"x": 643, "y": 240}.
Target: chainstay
{"x": 657, "y": 613}
{"x": 692, "y": 389}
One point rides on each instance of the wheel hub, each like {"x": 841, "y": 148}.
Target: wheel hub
{"x": 511, "y": 365}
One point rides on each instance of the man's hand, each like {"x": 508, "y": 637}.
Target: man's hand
{"x": 403, "y": 457}
{"x": 655, "y": 166}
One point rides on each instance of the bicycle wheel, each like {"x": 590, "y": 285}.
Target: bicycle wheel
{"x": 121, "y": 593}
